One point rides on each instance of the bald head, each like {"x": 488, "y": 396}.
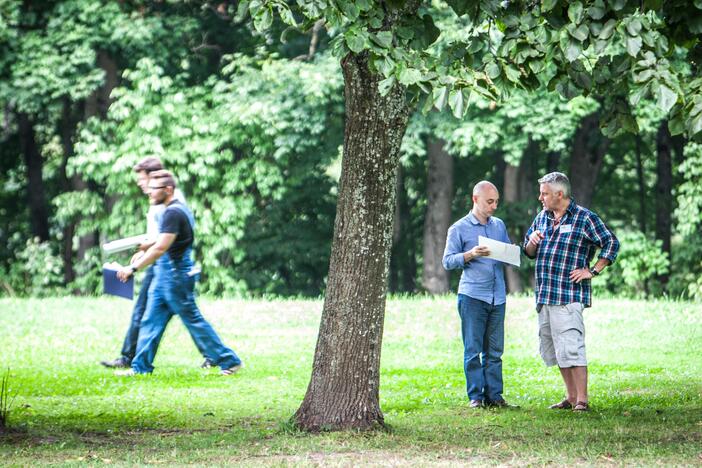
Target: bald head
{"x": 485, "y": 200}
{"x": 482, "y": 186}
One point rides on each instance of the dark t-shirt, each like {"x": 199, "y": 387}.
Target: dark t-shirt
{"x": 175, "y": 221}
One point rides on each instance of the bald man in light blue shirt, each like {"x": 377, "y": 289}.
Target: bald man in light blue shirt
{"x": 481, "y": 296}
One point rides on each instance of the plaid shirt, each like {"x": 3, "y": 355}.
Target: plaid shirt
{"x": 566, "y": 246}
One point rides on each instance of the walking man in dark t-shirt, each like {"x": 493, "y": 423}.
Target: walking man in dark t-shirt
{"x": 173, "y": 287}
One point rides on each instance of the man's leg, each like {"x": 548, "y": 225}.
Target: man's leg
{"x": 473, "y": 315}
{"x": 153, "y": 325}
{"x": 494, "y": 344}
{"x": 569, "y": 380}
{"x": 181, "y": 299}
{"x": 130, "y": 341}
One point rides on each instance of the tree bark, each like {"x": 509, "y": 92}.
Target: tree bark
{"x": 642, "y": 185}
{"x": 510, "y": 196}
{"x": 403, "y": 263}
{"x": 589, "y": 149}
{"x": 343, "y": 390}
{"x": 664, "y": 191}
{"x": 38, "y": 210}
{"x": 437, "y": 219}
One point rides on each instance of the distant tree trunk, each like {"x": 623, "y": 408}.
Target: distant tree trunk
{"x": 38, "y": 210}
{"x": 437, "y": 219}
{"x": 664, "y": 191}
{"x": 552, "y": 161}
{"x": 642, "y": 185}
{"x": 343, "y": 390}
{"x": 589, "y": 149}
{"x": 510, "y": 195}
{"x": 403, "y": 263}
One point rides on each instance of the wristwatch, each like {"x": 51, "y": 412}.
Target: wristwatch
{"x": 133, "y": 268}
{"x": 594, "y": 272}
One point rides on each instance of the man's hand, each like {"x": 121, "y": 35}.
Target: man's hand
{"x": 535, "y": 238}
{"x": 136, "y": 256}
{"x": 124, "y": 273}
{"x": 580, "y": 274}
{"x": 477, "y": 251}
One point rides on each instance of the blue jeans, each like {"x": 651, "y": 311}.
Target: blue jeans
{"x": 173, "y": 292}
{"x": 130, "y": 341}
{"x": 483, "y": 330}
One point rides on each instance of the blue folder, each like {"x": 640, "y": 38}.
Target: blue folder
{"x": 112, "y": 284}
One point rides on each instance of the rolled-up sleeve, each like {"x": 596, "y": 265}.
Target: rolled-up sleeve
{"x": 453, "y": 254}
{"x": 600, "y": 235}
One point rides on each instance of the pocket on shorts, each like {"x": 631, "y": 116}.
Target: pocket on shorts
{"x": 569, "y": 345}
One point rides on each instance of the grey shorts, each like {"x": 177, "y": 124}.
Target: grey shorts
{"x": 562, "y": 334}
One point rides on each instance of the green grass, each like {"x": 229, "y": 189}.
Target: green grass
{"x": 645, "y": 386}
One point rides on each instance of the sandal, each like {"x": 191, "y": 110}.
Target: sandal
{"x": 565, "y": 404}
{"x": 581, "y": 406}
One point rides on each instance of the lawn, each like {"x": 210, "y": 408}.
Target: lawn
{"x": 645, "y": 368}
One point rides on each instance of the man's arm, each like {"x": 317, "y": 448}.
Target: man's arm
{"x": 161, "y": 246}
{"x": 599, "y": 234}
{"x": 532, "y": 239}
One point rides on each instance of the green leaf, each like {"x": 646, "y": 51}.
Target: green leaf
{"x": 410, "y": 76}
{"x": 676, "y": 125}
{"x": 382, "y": 38}
{"x": 694, "y": 24}
{"x": 440, "y": 96}
{"x": 356, "y": 40}
{"x": 513, "y": 74}
{"x": 575, "y": 12}
{"x": 384, "y": 86}
{"x": 694, "y": 125}
{"x": 263, "y": 20}
{"x": 639, "y": 94}
{"x": 633, "y": 45}
{"x": 580, "y": 33}
{"x": 350, "y": 10}
{"x": 666, "y": 98}
{"x": 608, "y": 29}
{"x": 492, "y": 70}
{"x": 456, "y": 102}
{"x": 617, "y": 4}
{"x": 430, "y": 32}
{"x": 573, "y": 50}
{"x": 698, "y": 4}
{"x": 385, "y": 65}
{"x": 596, "y": 12}
{"x": 460, "y": 7}
{"x": 548, "y": 5}
{"x": 643, "y": 75}
{"x": 634, "y": 27}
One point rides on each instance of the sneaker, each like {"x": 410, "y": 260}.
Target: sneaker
{"x": 207, "y": 364}
{"x": 120, "y": 362}
{"x": 232, "y": 370}
{"x": 125, "y": 373}
{"x": 476, "y": 404}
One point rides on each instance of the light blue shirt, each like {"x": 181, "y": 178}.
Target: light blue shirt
{"x": 482, "y": 278}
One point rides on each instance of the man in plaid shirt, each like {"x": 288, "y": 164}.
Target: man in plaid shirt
{"x": 563, "y": 238}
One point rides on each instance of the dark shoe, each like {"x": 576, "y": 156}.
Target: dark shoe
{"x": 499, "y": 404}
{"x": 581, "y": 406}
{"x": 476, "y": 404}
{"x": 120, "y": 362}
{"x": 565, "y": 404}
{"x": 207, "y": 364}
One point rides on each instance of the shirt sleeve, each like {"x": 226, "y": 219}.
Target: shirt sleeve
{"x": 169, "y": 222}
{"x": 453, "y": 253}
{"x": 505, "y": 235}
{"x": 599, "y": 234}
{"x": 531, "y": 229}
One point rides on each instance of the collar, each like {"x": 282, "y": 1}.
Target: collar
{"x": 570, "y": 210}
{"x": 475, "y": 221}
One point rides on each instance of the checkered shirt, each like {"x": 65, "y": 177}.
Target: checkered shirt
{"x": 568, "y": 245}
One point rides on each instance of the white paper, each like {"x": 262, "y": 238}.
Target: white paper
{"x": 501, "y": 251}
{"x": 127, "y": 243}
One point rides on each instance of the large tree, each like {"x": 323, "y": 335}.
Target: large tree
{"x": 388, "y": 60}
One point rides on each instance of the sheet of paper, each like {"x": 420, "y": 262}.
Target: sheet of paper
{"x": 128, "y": 243}
{"x": 501, "y": 251}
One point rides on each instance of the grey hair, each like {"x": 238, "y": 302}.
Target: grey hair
{"x": 558, "y": 180}
{"x": 481, "y": 185}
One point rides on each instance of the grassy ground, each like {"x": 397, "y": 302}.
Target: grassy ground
{"x": 645, "y": 366}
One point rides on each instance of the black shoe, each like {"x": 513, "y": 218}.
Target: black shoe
{"x": 208, "y": 364}
{"x": 476, "y": 404}
{"x": 120, "y": 362}
{"x": 499, "y": 404}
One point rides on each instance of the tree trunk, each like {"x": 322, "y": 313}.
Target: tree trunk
{"x": 510, "y": 195}
{"x": 403, "y": 263}
{"x": 589, "y": 149}
{"x": 343, "y": 390}
{"x": 437, "y": 219}
{"x": 642, "y": 185}
{"x": 38, "y": 210}
{"x": 664, "y": 191}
